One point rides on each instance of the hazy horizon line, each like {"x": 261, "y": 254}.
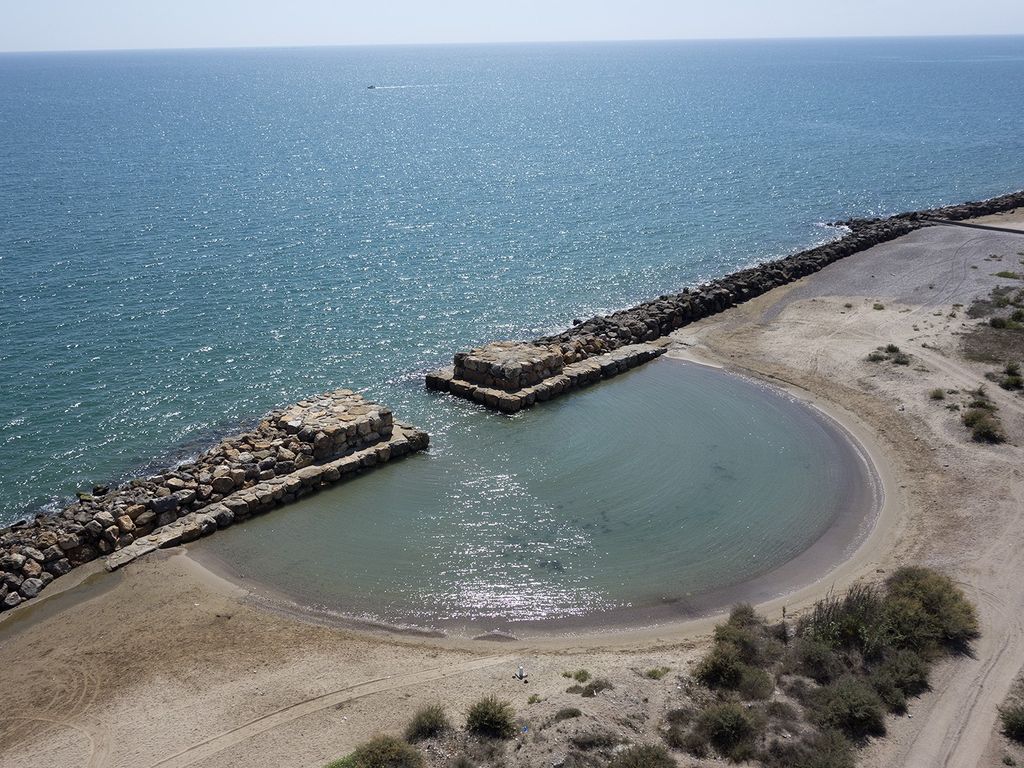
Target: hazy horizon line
{"x": 300, "y": 46}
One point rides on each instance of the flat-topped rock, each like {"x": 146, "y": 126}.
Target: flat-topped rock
{"x": 580, "y": 373}
{"x": 509, "y": 365}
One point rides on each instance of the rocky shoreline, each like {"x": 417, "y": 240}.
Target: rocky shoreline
{"x": 293, "y": 452}
{"x": 317, "y": 442}
{"x": 508, "y": 376}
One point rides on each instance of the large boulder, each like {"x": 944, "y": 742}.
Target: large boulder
{"x": 31, "y": 587}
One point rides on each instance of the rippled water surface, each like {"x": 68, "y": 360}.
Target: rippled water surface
{"x": 653, "y": 487}
{"x": 188, "y": 239}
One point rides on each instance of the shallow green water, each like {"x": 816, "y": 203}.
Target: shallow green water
{"x": 658, "y": 486}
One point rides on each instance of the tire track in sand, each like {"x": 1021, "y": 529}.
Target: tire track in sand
{"x": 229, "y": 738}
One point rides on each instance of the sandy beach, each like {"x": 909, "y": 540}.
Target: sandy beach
{"x": 168, "y": 664}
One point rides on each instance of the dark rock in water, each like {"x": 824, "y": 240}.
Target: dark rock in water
{"x": 100, "y": 490}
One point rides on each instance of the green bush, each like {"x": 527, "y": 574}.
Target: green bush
{"x": 782, "y": 711}
{"x": 566, "y": 713}
{"x": 692, "y": 741}
{"x": 892, "y": 349}
{"x": 492, "y": 718}
{"x": 744, "y": 615}
{"x": 428, "y": 723}
{"x": 937, "y": 394}
{"x": 746, "y": 641}
{"x": 908, "y": 671}
{"x": 755, "y": 684}
{"x": 656, "y": 673}
{"x": 1012, "y": 383}
{"x": 910, "y": 626}
{"x": 877, "y": 357}
{"x": 643, "y": 756}
{"x": 849, "y": 622}
{"x": 893, "y": 697}
{"x": 757, "y": 643}
{"x": 680, "y": 715}
{"x": 985, "y": 428}
{"x": 828, "y": 749}
{"x": 851, "y": 706}
{"x": 816, "y": 659}
{"x": 729, "y": 728}
{"x": 722, "y": 667}
{"x": 595, "y": 686}
{"x": 1012, "y": 719}
{"x": 382, "y": 752}
{"x": 952, "y": 619}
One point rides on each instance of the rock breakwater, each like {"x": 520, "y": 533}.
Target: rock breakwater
{"x": 508, "y": 375}
{"x": 293, "y": 452}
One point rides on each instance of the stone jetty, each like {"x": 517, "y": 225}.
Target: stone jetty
{"x": 293, "y": 452}
{"x": 511, "y": 375}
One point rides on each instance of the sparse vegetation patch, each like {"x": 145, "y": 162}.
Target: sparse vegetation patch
{"x": 428, "y": 723}
{"x": 492, "y": 718}
{"x": 889, "y": 352}
{"x": 656, "y": 673}
{"x": 841, "y": 669}
{"x": 382, "y": 752}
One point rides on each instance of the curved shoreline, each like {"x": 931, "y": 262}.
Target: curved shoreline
{"x": 823, "y": 563}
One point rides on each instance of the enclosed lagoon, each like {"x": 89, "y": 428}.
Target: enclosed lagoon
{"x": 660, "y": 493}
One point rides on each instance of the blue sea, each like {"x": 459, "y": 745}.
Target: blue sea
{"x": 190, "y": 238}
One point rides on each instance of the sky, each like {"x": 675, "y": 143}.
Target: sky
{"x": 48, "y": 25}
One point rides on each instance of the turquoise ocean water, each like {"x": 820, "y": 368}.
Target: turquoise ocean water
{"x": 190, "y": 238}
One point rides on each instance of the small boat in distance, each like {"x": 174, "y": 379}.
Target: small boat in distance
{"x": 371, "y": 86}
